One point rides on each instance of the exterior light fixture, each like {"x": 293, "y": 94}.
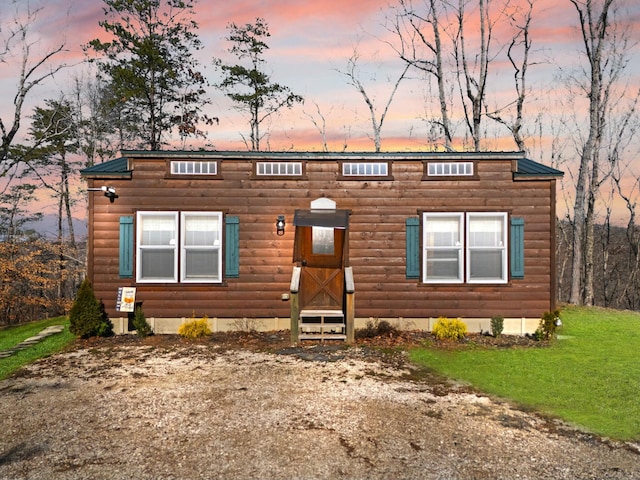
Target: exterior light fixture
{"x": 109, "y": 192}
{"x": 280, "y": 224}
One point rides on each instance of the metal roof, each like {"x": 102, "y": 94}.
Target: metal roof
{"x": 529, "y": 168}
{"x": 119, "y": 167}
{"x": 321, "y": 218}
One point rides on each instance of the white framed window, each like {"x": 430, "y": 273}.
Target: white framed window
{"x": 365, "y": 169}
{"x": 442, "y": 248}
{"x": 464, "y": 247}
{"x": 486, "y": 247}
{"x": 157, "y": 258}
{"x": 200, "y": 247}
{"x": 279, "y": 168}
{"x": 449, "y": 169}
{"x": 197, "y": 167}
{"x": 185, "y": 247}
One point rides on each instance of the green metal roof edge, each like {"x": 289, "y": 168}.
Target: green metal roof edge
{"x": 397, "y": 155}
{"x": 118, "y": 167}
{"x": 531, "y": 168}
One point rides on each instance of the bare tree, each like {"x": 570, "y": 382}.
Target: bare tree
{"x": 520, "y": 63}
{"x": 419, "y": 31}
{"x": 33, "y": 70}
{"x": 98, "y": 120}
{"x": 320, "y": 122}
{"x": 353, "y": 77}
{"x": 629, "y": 289}
{"x": 473, "y": 68}
{"x": 605, "y": 49}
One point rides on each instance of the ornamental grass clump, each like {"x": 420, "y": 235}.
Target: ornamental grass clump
{"x": 195, "y": 328}
{"x": 449, "y": 329}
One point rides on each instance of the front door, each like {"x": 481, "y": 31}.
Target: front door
{"x": 320, "y": 253}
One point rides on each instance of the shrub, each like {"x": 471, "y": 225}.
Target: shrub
{"x": 247, "y": 325}
{"x": 497, "y": 325}
{"x": 87, "y": 317}
{"x": 449, "y": 329}
{"x": 547, "y": 327}
{"x": 377, "y": 328}
{"x": 195, "y": 328}
{"x": 143, "y": 329}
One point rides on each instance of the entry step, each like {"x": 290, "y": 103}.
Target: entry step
{"x": 321, "y": 313}
{"x": 322, "y": 336}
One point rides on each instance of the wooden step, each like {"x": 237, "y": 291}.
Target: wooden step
{"x": 321, "y": 313}
{"x": 322, "y": 325}
{"x": 322, "y": 336}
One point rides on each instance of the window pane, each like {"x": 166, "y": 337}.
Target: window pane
{"x": 442, "y": 231}
{"x": 201, "y": 230}
{"x": 442, "y": 264}
{"x": 158, "y": 230}
{"x": 370, "y": 169}
{"x": 486, "y": 232}
{"x": 322, "y": 241}
{"x": 201, "y": 264}
{"x": 485, "y": 264}
{"x": 157, "y": 264}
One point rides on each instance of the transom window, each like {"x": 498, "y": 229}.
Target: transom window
{"x": 185, "y": 247}
{"x": 365, "y": 169}
{"x": 188, "y": 167}
{"x": 279, "y": 168}
{"x": 449, "y": 169}
{"x": 464, "y": 247}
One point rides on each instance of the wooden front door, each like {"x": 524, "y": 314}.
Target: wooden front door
{"x": 320, "y": 253}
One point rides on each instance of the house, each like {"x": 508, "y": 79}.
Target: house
{"x": 322, "y": 242}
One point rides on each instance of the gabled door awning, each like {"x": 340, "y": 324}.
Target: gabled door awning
{"x": 321, "y": 218}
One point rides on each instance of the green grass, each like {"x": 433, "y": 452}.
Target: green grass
{"x": 11, "y": 336}
{"x": 590, "y": 379}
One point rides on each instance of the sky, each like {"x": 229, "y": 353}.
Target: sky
{"x": 310, "y": 45}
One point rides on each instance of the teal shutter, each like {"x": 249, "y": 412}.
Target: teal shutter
{"x": 232, "y": 247}
{"x": 126, "y": 247}
{"x": 517, "y": 247}
{"x": 413, "y": 247}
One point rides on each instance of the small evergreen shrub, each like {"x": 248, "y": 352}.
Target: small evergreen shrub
{"x": 449, "y": 329}
{"x": 87, "y": 317}
{"x": 497, "y": 325}
{"x": 547, "y": 327}
{"x": 195, "y": 328}
{"x": 143, "y": 329}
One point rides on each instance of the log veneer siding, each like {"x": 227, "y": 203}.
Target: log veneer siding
{"x": 376, "y": 236}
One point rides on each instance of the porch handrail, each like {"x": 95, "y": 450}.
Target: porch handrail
{"x": 349, "y": 284}
{"x": 295, "y": 280}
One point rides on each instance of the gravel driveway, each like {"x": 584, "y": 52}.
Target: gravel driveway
{"x": 140, "y": 410}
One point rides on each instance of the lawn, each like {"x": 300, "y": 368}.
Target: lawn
{"x": 11, "y": 336}
{"x": 589, "y": 377}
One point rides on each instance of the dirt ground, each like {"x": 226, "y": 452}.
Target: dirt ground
{"x": 250, "y": 406}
